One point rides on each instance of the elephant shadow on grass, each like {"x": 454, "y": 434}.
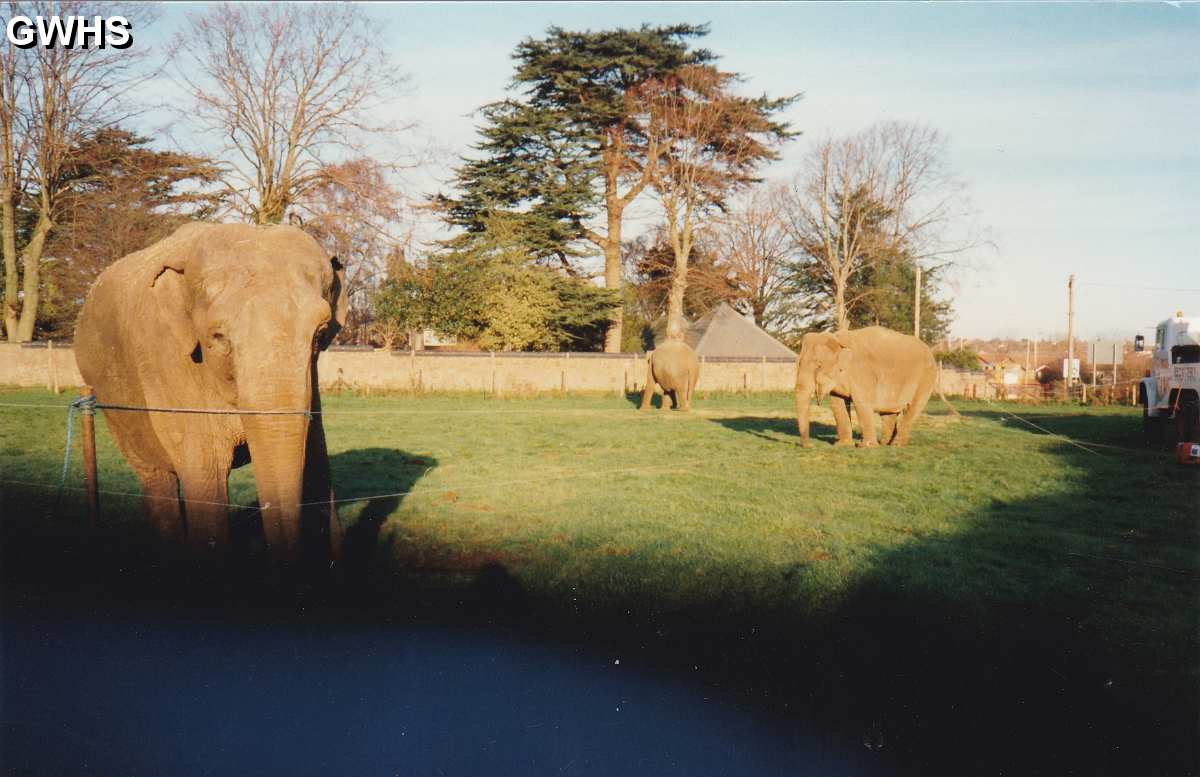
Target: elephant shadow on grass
{"x": 382, "y": 477}
{"x": 777, "y": 430}
{"x": 369, "y": 485}
{"x": 656, "y": 402}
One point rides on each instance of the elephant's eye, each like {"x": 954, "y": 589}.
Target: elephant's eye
{"x": 219, "y": 343}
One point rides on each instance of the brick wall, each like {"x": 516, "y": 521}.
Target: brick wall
{"x": 502, "y": 373}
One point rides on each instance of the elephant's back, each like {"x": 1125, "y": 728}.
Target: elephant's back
{"x": 884, "y": 340}
{"x": 675, "y": 364}
{"x": 676, "y": 351}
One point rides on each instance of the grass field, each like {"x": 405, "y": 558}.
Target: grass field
{"x": 1011, "y": 565}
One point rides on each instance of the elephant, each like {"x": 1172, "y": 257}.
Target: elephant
{"x": 877, "y": 370}
{"x": 675, "y": 367}
{"x": 229, "y": 318}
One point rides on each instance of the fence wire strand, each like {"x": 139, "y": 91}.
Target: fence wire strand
{"x": 562, "y": 474}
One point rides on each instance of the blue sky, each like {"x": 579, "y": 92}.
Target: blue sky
{"x": 1076, "y": 126}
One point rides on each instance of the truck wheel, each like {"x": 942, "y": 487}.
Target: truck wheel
{"x": 1152, "y": 429}
{"x": 1188, "y": 422}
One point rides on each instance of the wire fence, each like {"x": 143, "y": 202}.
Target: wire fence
{"x": 695, "y": 467}
{"x": 681, "y": 467}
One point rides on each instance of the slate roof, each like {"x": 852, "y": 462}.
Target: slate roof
{"x": 723, "y": 332}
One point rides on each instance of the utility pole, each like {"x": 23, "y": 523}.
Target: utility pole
{"x": 917, "y": 305}
{"x": 1093, "y": 358}
{"x": 1069, "y": 378}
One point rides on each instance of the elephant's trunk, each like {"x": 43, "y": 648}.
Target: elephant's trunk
{"x": 277, "y": 449}
{"x": 804, "y": 392}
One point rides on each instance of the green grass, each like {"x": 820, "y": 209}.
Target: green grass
{"x": 594, "y": 507}
{"x": 985, "y": 538}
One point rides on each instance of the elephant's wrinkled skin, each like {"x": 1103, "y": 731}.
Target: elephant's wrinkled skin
{"x": 218, "y": 317}
{"x": 878, "y": 370}
{"x": 675, "y": 367}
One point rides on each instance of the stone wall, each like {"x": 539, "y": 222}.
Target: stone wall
{"x": 500, "y": 373}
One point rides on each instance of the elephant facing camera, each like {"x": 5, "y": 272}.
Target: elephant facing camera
{"x": 227, "y": 320}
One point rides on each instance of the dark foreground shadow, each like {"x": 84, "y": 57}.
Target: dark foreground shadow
{"x": 1120, "y": 430}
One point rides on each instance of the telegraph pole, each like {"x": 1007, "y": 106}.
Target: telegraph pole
{"x": 917, "y": 305}
{"x": 1070, "y": 376}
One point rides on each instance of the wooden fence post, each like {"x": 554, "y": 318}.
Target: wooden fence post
{"x": 52, "y": 369}
{"x": 90, "y": 486}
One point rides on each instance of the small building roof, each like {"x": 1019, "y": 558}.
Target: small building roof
{"x": 723, "y": 332}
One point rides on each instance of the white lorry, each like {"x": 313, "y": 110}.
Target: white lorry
{"x": 1171, "y": 392}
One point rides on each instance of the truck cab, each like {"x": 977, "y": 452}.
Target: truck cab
{"x": 1172, "y": 389}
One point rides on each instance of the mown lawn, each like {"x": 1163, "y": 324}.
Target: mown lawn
{"x": 986, "y": 540}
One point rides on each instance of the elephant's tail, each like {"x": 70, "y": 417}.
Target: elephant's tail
{"x": 938, "y": 388}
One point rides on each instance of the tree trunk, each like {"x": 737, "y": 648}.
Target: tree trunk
{"x": 612, "y": 275}
{"x": 839, "y": 301}
{"x": 31, "y": 264}
{"x": 760, "y": 314}
{"x": 8, "y": 231}
{"x": 675, "y": 300}
{"x": 8, "y": 241}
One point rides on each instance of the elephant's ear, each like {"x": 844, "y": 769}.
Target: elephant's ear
{"x": 172, "y": 298}
{"x": 844, "y": 357}
{"x": 339, "y": 301}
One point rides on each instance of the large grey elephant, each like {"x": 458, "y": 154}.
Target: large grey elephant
{"x": 874, "y": 368}
{"x": 675, "y": 367}
{"x": 226, "y": 317}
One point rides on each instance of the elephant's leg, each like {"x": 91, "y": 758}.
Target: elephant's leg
{"x": 889, "y": 427}
{"x": 160, "y": 499}
{"x": 668, "y": 393}
{"x": 910, "y": 416}
{"x": 319, "y": 520}
{"x": 866, "y": 424}
{"x": 841, "y": 416}
{"x": 206, "y": 497}
{"x": 648, "y": 391}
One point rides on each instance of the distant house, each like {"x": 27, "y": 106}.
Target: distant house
{"x": 429, "y": 339}
{"x": 725, "y": 333}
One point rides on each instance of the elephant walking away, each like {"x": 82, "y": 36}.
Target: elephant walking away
{"x": 675, "y": 367}
{"x": 876, "y": 370}
{"x": 222, "y": 317}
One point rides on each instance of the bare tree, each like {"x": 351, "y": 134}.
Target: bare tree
{"x": 290, "y": 89}
{"x": 712, "y": 142}
{"x": 884, "y": 192}
{"x": 13, "y": 84}
{"x": 50, "y": 99}
{"x": 650, "y": 269}
{"x": 360, "y": 217}
{"x": 754, "y": 251}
